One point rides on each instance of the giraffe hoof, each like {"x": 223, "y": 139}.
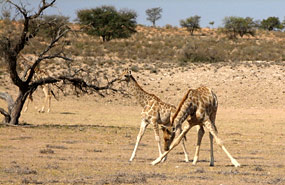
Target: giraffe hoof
{"x": 164, "y": 159}
{"x": 155, "y": 162}
{"x": 237, "y": 165}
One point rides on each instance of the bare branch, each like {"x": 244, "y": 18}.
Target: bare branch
{"x": 8, "y": 99}
{"x": 42, "y": 7}
{"x": 6, "y": 115}
{"x": 4, "y": 96}
{"x": 24, "y": 38}
{"x": 77, "y": 83}
{"x": 60, "y": 34}
{"x": 41, "y": 57}
{"x": 10, "y": 102}
{"x": 22, "y": 10}
{"x": 5, "y": 44}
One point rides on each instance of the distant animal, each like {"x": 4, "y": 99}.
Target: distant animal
{"x": 47, "y": 90}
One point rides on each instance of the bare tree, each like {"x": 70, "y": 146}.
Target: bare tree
{"x": 11, "y": 49}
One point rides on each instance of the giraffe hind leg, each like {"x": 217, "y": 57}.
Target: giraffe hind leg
{"x": 49, "y": 103}
{"x": 200, "y": 133}
{"x": 27, "y": 104}
{"x": 214, "y": 133}
{"x": 47, "y": 100}
{"x": 185, "y": 151}
{"x": 29, "y": 101}
{"x": 212, "y": 161}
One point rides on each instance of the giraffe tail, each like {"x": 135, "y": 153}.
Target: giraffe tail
{"x": 54, "y": 95}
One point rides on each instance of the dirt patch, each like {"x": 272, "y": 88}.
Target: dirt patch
{"x": 88, "y": 140}
{"x": 99, "y": 154}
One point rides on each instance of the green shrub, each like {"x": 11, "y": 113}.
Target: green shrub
{"x": 271, "y": 23}
{"x": 192, "y": 23}
{"x": 107, "y": 23}
{"x": 234, "y": 26}
{"x": 168, "y": 26}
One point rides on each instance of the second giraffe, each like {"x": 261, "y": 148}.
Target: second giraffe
{"x": 201, "y": 105}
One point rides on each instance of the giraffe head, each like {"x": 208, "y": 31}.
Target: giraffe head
{"x": 168, "y": 136}
{"x": 126, "y": 75}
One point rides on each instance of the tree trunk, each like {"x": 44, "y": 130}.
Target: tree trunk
{"x": 17, "y": 108}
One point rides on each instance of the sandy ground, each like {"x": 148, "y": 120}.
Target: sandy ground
{"x": 88, "y": 140}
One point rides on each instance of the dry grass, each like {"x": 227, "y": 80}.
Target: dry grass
{"x": 93, "y": 154}
{"x": 172, "y": 45}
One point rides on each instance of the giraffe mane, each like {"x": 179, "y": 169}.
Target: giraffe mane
{"x": 133, "y": 78}
{"x": 179, "y": 106}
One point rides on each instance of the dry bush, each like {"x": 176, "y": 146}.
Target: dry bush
{"x": 174, "y": 45}
{"x": 210, "y": 51}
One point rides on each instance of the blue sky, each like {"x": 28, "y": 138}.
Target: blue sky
{"x": 174, "y": 11}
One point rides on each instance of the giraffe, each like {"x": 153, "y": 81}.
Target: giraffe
{"x": 201, "y": 105}
{"x": 154, "y": 112}
{"x": 48, "y": 93}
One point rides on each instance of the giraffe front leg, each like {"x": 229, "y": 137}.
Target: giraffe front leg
{"x": 143, "y": 126}
{"x": 184, "y": 147}
{"x": 174, "y": 144}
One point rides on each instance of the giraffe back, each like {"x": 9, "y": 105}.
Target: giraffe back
{"x": 197, "y": 103}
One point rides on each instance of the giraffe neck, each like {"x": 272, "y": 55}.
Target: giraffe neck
{"x": 180, "y": 113}
{"x": 137, "y": 91}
